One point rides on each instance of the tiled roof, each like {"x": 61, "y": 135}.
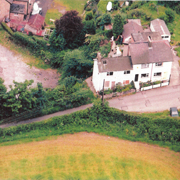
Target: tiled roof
{"x": 137, "y": 21}
{"x": 36, "y": 21}
{"x": 130, "y": 28}
{"x": 160, "y": 26}
{"x": 146, "y": 36}
{"x": 17, "y": 8}
{"x": 150, "y": 52}
{"x": 115, "y": 64}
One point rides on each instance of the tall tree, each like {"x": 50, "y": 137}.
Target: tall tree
{"x": 117, "y": 26}
{"x": 71, "y": 26}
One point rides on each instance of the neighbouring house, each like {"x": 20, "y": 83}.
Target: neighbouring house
{"x": 4, "y": 9}
{"x": 20, "y": 17}
{"x": 146, "y": 61}
{"x": 129, "y": 28}
{"x": 147, "y": 56}
{"x": 20, "y": 9}
{"x": 159, "y": 25}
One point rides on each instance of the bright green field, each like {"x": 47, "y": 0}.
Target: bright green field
{"x": 88, "y": 156}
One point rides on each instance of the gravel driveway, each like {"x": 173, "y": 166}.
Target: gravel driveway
{"x": 13, "y": 68}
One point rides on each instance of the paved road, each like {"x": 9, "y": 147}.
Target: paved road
{"x": 146, "y": 101}
{"x": 149, "y": 101}
{"x": 69, "y": 111}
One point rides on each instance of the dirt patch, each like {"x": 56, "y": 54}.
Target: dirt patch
{"x": 61, "y": 8}
{"x": 12, "y": 68}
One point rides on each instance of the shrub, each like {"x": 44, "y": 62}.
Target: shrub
{"x": 105, "y": 49}
{"x": 106, "y": 19}
{"x": 4, "y": 25}
{"x": 89, "y": 16}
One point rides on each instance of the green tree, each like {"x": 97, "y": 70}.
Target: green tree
{"x": 90, "y": 27}
{"x": 57, "y": 41}
{"x": 106, "y": 19}
{"x": 76, "y": 64}
{"x": 117, "y": 26}
{"x": 71, "y": 26}
{"x": 170, "y": 15}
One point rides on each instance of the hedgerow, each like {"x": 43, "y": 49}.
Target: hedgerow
{"x": 105, "y": 120}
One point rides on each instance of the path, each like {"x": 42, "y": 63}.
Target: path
{"x": 60, "y": 113}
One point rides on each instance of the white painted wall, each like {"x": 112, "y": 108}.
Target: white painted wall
{"x": 119, "y": 76}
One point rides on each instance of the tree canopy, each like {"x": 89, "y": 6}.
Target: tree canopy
{"x": 76, "y": 64}
{"x": 71, "y": 27}
{"x": 117, "y": 26}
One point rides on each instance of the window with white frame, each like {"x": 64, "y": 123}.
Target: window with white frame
{"x": 159, "y": 64}
{"x": 144, "y": 66}
{"x": 145, "y": 75}
{"x": 126, "y": 72}
{"x": 109, "y": 73}
{"x": 166, "y": 36}
{"x": 157, "y": 74}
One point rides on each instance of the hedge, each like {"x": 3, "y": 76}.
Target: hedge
{"x": 131, "y": 126}
{"x": 4, "y": 25}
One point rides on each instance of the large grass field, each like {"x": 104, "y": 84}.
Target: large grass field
{"x": 88, "y": 156}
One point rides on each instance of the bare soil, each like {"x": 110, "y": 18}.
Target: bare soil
{"x": 14, "y": 68}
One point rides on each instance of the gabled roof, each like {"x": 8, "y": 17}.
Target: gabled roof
{"x": 36, "y": 21}
{"x": 150, "y": 52}
{"x": 160, "y": 26}
{"x": 130, "y": 28}
{"x": 146, "y": 36}
{"x": 115, "y": 64}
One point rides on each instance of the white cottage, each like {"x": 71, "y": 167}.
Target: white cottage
{"x": 159, "y": 25}
{"x": 146, "y": 61}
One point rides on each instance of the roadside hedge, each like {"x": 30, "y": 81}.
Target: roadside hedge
{"x": 106, "y": 120}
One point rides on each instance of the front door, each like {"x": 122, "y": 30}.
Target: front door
{"x": 136, "y": 77}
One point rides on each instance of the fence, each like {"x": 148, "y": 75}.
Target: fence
{"x": 154, "y": 86}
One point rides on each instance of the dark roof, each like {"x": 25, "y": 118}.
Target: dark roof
{"x": 36, "y": 21}
{"x": 160, "y": 26}
{"x": 150, "y": 52}
{"x": 130, "y": 28}
{"x": 17, "y": 8}
{"x": 115, "y": 64}
{"x": 143, "y": 37}
{"x": 10, "y": 1}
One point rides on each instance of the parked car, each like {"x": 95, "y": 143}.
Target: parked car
{"x": 174, "y": 112}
